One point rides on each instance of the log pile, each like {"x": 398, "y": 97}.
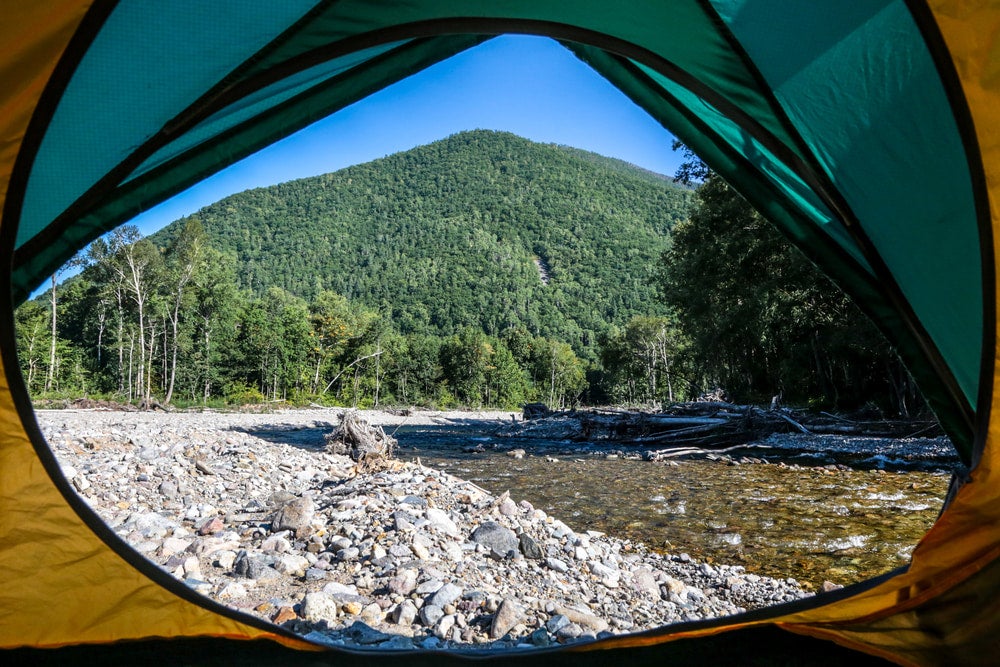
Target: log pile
{"x": 704, "y": 424}
{"x": 366, "y": 444}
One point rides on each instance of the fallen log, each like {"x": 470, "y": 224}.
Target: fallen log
{"x": 703, "y": 424}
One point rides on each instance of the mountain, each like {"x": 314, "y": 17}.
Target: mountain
{"x": 482, "y": 229}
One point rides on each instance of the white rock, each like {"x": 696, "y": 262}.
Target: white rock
{"x": 317, "y": 606}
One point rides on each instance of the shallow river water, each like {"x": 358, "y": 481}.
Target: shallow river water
{"x": 804, "y": 514}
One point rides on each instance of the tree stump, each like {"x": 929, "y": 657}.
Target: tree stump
{"x": 364, "y": 443}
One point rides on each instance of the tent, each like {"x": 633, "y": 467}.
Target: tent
{"x": 867, "y": 130}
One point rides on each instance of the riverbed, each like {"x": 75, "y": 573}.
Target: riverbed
{"x": 815, "y": 508}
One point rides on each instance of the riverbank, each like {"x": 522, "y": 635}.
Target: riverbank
{"x": 250, "y": 510}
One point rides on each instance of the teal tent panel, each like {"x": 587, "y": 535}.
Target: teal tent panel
{"x": 661, "y": 29}
{"x": 849, "y": 82}
{"x": 148, "y": 64}
{"x": 258, "y": 103}
{"x": 784, "y": 180}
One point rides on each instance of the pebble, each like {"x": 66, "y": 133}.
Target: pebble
{"x": 248, "y": 510}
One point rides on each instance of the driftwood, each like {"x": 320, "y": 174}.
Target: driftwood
{"x": 702, "y": 424}
{"x": 366, "y": 444}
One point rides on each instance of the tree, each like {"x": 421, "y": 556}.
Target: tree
{"x": 641, "y": 361}
{"x": 184, "y": 258}
{"x": 761, "y": 319}
{"x": 76, "y": 262}
{"x": 562, "y": 374}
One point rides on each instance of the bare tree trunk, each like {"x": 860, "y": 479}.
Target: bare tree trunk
{"x": 52, "y": 347}
{"x": 131, "y": 348}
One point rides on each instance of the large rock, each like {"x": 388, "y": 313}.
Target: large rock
{"x": 529, "y": 547}
{"x": 445, "y": 595}
{"x": 508, "y": 615}
{"x": 496, "y": 537}
{"x": 318, "y": 606}
{"x": 295, "y": 515}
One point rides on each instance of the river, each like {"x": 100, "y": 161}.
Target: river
{"x": 815, "y": 508}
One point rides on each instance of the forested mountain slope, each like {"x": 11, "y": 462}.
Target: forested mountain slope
{"x": 454, "y": 233}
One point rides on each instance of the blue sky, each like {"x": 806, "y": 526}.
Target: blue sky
{"x": 530, "y": 86}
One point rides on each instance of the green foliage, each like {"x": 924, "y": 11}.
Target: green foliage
{"x": 762, "y": 321}
{"x": 643, "y": 362}
{"x": 454, "y": 235}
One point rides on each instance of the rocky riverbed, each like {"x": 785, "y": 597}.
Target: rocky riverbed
{"x": 250, "y": 510}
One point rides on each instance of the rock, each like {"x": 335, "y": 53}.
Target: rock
{"x": 318, "y": 606}
{"x": 508, "y": 615}
{"x": 430, "y": 615}
{"x": 291, "y": 564}
{"x": 211, "y": 526}
{"x": 405, "y": 613}
{"x": 440, "y": 520}
{"x": 554, "y": 624}
{"x": 445, "y": 595}
{"x": 569, "y": 631}
{"x": 365, "y": 635}
{"x": 557, "y": 565}
{"x": 284, "y": 615}
{"x": 168, "y": 489}
{"x": 234, "y": 590}
{"x": 496, "y": 537}
{"x": 508, "y": 507}
{"x": 584, "y": 619}
{"x": 529, "y": 548}
{"x": 644, "y": 582}
{"x": 295, "y": 515}
{"x": 341, "y": 591}
{"x": 248, "y": 566}
{"x": 540, "y": 637}
{"x": 403, "y": 583}
{"x": 419, "y": 547}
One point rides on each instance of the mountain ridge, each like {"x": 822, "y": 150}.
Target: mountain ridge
{"x": 450, "y": 235}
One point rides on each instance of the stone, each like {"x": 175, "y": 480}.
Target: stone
{"x": 292, "y": 564}
{"x": 644, "y": 582}
{"x": 508, "y": 507}
{"x": 295, "y": 515}
{"x": 317, "y": 606}
{"x": 557, "y": 565}
{"x": 234, "y": 590}
{"x": 365, "y": 635}
{"x": 556, "y": 622}
{"x": 283, "y": 615}
{"x": 168, "y": 489}
{"x": 439, "y": 519}
{"x": 403, "y": 583}
{"x": 405, "y": 613}
{"x": 540, "y": 637}
{"x": 584, "y": 619}
{"x": 336, "y": 589}
{"x": 430, "y": 615}
{"x": 211, "y": 526}
{"x": 529, "y": 547}
{"x": 496, "y": 537}
{"x": 419, "y": 548}
{"x": 444, "y": 626}
{"x": 508, "y": 615}
{"x": 276, "y": 543}
{"x": 569, "y": 631}
{"x": 445, "y": 595}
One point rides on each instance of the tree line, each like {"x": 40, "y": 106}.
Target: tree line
{"x": 172, "y": 319}
{"x": 143, "y": 324}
